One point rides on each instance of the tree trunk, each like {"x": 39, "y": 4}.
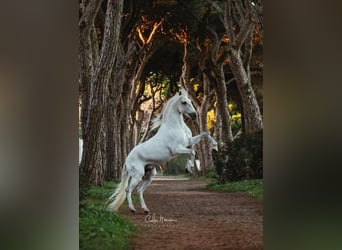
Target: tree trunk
{"x": 222, "y": 105}
{"x": 215, "y": 67}
{"x": 127, "y": 71}
{"x": 205, "y": 155}
{"x": 203, "y": 148}
{"x": 118, "y": 163}
{"x": 93, "y": 161}
{"x": 115, "y": 90}
{"x": 218, "y": 127}
{"x": 110, "y": 147}
{"x": 88, "y": 57}
{"x": 252, "y": 116}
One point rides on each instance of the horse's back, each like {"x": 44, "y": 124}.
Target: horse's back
{"x": 155, "y": 150}
{"x": 149, "y": 152}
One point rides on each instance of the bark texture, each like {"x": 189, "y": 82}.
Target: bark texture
{"x": 97, "y": 74}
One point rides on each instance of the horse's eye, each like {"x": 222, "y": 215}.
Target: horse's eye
{"x": 184, "y": 103}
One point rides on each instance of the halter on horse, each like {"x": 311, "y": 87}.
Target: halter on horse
{"x": 173, "y": 138}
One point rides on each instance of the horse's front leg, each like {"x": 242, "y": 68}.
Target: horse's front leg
{"x": 182, "y": 150}
{"x": 196, "y": 139}
{"x": 191, "y": 162}
{"x": 213, "y": 142}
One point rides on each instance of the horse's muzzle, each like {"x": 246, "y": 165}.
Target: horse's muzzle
{"x": 193, "y": 116}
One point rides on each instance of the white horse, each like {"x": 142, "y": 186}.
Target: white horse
{"x": 173, "y": 138}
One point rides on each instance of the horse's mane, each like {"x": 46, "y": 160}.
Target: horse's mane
{"x": 157, "y": 122}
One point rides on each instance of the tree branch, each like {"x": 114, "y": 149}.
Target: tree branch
{"x": 253, "y": 73}
{"x": 215, "y": 6}
{"x": 230, "y": 81}
{"x": 155, "y": 27}
{"x": 88, "y": 18}
{"x": 141, "y": 35}
{"x": 184, "y": 79}
{"x": 216, "y": 43}
{"x": 228, "y": 20}
{"x": 246, "y": 28}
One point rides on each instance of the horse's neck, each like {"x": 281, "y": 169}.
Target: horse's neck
{"x": 174, "y": 118}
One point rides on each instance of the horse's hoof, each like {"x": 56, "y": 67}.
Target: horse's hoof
{"x": 132, "y": 211}
{"x": 146, "y": 212}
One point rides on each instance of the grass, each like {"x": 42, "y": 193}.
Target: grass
{"x": 102, "y": 193}
{"x": 99, "y": 228}
{"x": 251, "y": 187}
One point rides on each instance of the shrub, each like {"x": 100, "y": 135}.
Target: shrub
{"x": 242, "y": 159}
{"x": 211, "y": 173}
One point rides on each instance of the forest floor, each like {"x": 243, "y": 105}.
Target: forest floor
{"x": 184, "y": 215}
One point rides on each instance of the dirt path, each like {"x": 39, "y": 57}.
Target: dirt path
{"x": 186, "y": 216}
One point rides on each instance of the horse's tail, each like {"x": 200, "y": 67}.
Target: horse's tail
{"x": 119, "y": 195}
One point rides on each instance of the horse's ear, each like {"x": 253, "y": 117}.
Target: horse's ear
{"x": 182, "y": 91}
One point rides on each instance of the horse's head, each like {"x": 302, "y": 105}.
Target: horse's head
{"x": 185, "y": 106}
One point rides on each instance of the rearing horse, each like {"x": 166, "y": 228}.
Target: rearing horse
{"x": 173, "y": 138}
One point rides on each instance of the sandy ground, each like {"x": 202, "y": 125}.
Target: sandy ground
{"x": 183, "y": 215}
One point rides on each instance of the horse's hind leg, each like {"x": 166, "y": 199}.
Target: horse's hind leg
{"x": 132, "y": 184}
{"x": 141, "y": 190}
{"x": 146, "y": 182}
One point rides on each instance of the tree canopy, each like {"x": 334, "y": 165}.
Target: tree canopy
{"x": 135, "y": 54}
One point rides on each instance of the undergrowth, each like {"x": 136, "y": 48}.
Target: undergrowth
{"x": 100, "y": 228}
{"x": 242, "y": 159}
{"x": 252, "y": 187}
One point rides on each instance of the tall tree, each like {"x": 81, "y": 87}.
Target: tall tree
{"x": 97, "y": 73}
{"x": 136, "y": 46}
{"x": 239, "y": 19}
{"x": 216, "y": 71}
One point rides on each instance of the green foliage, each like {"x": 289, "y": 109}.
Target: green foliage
{"x": 211, "y": 174}
{"x": 83, "y": 186}
{"x": 236, "y": 117}
{"x": 236, "y": 123}
{"x": 102, "y": 193}
{"x": 242, "y": 159}
{"x": 252, "y": 187}
{"x": 99, "y": 228}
